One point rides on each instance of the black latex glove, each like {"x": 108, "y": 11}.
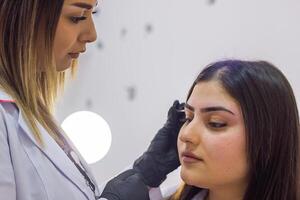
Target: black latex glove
{"x": 126, "y": 186}
{"x": 161, "y": 157}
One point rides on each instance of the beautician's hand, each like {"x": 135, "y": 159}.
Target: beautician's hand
{"x": 126, "y": 186}
{"x": 161, "y": 156}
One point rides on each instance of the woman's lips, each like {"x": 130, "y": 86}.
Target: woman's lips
{"x": 189, "y": 157}
{"x": 74, "y": 55}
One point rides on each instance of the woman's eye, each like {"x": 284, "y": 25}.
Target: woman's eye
{"x": 217, "y": 124}
{"x": 76, "y": 20}
{"x": 187, "y": 120}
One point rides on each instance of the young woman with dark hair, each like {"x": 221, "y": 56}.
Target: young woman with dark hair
{"x": 240, "y": 140}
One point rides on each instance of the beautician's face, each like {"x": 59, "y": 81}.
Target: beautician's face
{"x": 75, "y": 29}
{"x": 215, "y": 134}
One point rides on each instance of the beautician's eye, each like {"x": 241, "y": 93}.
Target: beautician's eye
{"x": 76, "y": 20}
{"x": 217, "y": 124}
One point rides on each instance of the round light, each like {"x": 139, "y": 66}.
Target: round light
{"x": 90, "y": 133}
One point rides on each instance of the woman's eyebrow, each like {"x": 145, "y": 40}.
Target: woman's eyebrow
{"x": 216, "y": 108}
{"x": 209, "y": 109}
{"x": 83, "y": 5}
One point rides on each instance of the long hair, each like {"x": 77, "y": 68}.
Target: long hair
{"x": 27, "y": 66}
{"x": 271, "y": 123}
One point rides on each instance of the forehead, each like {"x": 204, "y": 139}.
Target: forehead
{"x": 210, "y": 94}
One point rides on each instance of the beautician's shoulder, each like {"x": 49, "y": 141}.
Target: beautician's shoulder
{"x": 2, "y": 118}
{"x": 9, "y": 123}
{"x": 9, "y": 111}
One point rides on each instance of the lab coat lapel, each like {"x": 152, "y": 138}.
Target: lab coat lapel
{"x": 83, "y": 162}
{"x": 85, "y": 165}
{"x": 56, "y": 155}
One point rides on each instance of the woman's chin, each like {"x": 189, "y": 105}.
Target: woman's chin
{"x": 186, "y": 176}
{"x": 64, "y": 66}
{"x": 190, "y": 178}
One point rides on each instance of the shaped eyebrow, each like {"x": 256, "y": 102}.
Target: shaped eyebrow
{"x": 83, "y": 5}
{"x": 209, "y": 109}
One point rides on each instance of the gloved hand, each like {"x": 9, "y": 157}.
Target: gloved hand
{"x": 161, "y": 157}
{"x": 126, "y": 186}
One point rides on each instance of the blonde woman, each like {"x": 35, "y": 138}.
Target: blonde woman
{"x": 39, "y": 40}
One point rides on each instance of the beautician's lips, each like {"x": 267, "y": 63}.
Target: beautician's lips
{"x": 189, "y": 157}
{"x": 74, "y": 55}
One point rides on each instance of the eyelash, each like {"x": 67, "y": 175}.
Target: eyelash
{"x": 214, "y": 125}
{"x": 76, "y": 20}
{"x": 217, "y": 125}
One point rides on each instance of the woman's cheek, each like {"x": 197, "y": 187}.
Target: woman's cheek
{"x": 224, "y": 148}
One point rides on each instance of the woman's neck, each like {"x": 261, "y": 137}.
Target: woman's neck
{"x": 226, "y": 193}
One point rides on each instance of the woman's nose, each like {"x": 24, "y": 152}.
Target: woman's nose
{"x": 190, "y": 133}
{"x": 90, "y": 34}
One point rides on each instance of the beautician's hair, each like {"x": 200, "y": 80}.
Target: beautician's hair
{"x": 271, "y": 123}
{"x": 27, "y": 66}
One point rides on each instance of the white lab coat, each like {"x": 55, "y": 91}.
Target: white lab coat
{"x": 30, "y": 172}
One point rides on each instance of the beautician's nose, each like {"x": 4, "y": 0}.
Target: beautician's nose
{"x": 89, "y": 33}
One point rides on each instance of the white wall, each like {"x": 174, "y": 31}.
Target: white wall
{"x": 161, "y": 64}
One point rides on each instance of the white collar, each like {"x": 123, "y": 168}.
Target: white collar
{"x": 5, "y": 97}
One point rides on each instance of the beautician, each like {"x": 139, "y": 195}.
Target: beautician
{"x": 39, "y": 41}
